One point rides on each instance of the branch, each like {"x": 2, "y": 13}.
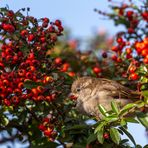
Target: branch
{"x": 33, "y": 114}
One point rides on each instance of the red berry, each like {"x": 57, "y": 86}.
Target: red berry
{"x": 114, "y": 48}
{"x": 132, "y": 69}
{"x": 20, "y": 85}
{"x": 40, "y": 89}
{"x": 5, "y": 82}
{"x": 119, "y": 60}
{"x": 7, "y": 102}
{"x": 58, "y": 61}
{"x": 31, "y": 56}
{"x": 34, "y": 91}
{"x": 129, "y": 14}
{"x": 21, "y": 72}
{"x": 134, "y": 76}
{"x": 40, "y": 98}
{"x": 114, "y": 57}
{"x": 129, "y": 56}
{"x": 24, "y": 32}
{"x": 48, "y": 98}
{"x": 42, "y": 127}
{"x": 9, "y": 90}
{"x": 106, "y": 136}
{"x": 51, "y": 29}
{"x": 2, "y": 89}
{"x": 71, "y": 74}
{"x": 8, "y": 27}
{"x": 144, "y": 52}
{"x": 96, "y": 70}
{"x": 10, "y": 13}
{"x": 65, "y": 67}
{"x": 60, "y": 28}
{"x": 1, "y": 65}
{"x": 145, "y": 15}
{"x": 104, "y": 54}
{"x": 130, "y": 30}
{"x": 58, "y": 23}
{"x": 53, "y": 96}
{"x": 29, "y": 75}
{"x": 46, "y": 119}
{"x": 119, "y": 40}
{"x": 145, "y": 60}
{"x": 48, "y": 132}
{"x": 15, "y": 100}
{"x": 31, "y": 37}
{"x": 43, "y": 39}
{"x": 46, "y": 20}
{"x": 128, "y": 50}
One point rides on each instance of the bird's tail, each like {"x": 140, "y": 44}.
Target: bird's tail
{"x": 136, "y": 95}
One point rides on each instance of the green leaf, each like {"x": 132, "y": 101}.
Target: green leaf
{"x": 101, "y": 125}
{"x": 31, "y": 84}
{"x": 143, "y": 118}
{"x": 123, "y": 122}
{"x": 103, "y": 110}
{"x": 128, "y": 134}
{"x": 121, "y": 21}
{"x": 114, "y": 107}
{"x": 4, "y": 121}
{"x": 100, "y": 135}
{"x": 126, "y": 108}
{"x": 91, "y": 138}
{"x": 138, "y": 146}
{"x": 115, "y": 135}
{"x": 140, "y": 104}
{"x": 124, "y": 141}
{"x": 146, "y": 146}
{"x": 111, "y": 119}
{"x": 132, "y": 120}
{"x": 145, "y": 93}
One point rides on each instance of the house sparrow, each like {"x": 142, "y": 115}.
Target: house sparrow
{"x": 90, "y": 92}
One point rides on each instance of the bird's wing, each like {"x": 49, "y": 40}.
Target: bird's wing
{"x": 117, "y": 90}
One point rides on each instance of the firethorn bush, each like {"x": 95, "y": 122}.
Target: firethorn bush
{"x": 37, "y": 68}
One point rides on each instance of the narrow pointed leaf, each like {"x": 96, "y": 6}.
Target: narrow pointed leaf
{"x": 114, "y": 107}
{"x": 132, "y": 120}
{"x": 91, "y": 138}
{"x": 99, "y": 127}
{"x": 100, "y": 135}
{"x": 126, "y": 108}
{"x": 115, "y": 135}
{"x": 103, "y": 110}
{"x": 143, "y": 118}
{"x": 128, "y": 134}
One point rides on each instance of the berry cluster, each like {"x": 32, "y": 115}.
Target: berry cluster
{"x": 23, "y": 56}
{"x": 47, "y": 127}
{"x": 28, "y": 75}
{"x": 142, "y": 49}
{"x": 63, "y": 66}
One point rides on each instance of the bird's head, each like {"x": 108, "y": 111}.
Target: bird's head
{"x": 81, "y": 87}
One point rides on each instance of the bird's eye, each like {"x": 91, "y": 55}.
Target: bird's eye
{"x": 78, "y": 89}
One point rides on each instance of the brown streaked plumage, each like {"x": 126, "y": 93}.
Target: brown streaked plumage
{"x": 93, "y": 91}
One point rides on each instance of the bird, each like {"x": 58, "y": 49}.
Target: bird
{"x": 90, "y": 92}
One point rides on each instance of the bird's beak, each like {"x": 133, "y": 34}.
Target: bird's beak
{"x": 72, "y": 96}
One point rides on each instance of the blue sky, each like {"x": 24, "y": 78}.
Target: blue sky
{"x": 78, "y": 15}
